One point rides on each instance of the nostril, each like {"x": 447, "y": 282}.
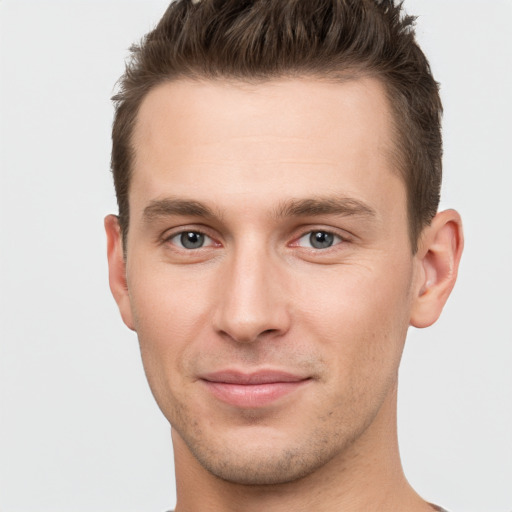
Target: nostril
{"x": 243, "y": 336}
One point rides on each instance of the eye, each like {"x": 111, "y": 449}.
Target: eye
{"x": 191, "y": 240}
{"x": 319, "y": 240}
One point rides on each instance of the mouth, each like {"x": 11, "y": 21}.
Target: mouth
{"x": 251, "y": 390}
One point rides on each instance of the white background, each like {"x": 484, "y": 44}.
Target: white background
{"x": 79, "y": 430}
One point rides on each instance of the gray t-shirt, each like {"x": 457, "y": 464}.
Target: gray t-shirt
{"x": 436, "y": 508}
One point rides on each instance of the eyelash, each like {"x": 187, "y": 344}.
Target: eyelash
{"x": 329, "y": 233}
{"x": 337, "y": 239}
{"x": 168, "y": 239}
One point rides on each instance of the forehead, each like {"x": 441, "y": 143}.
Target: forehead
{"x": 263, "y": 141}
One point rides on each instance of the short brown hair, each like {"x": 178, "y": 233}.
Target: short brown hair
{"x": 258, "y": 40}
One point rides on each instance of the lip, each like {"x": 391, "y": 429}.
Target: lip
{"x": 251, "y": 390}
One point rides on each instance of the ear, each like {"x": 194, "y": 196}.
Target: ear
{"x": 437, "y": 259}
{"x": 117, "y": 269}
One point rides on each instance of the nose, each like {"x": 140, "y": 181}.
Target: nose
{"x": 253, "y": 299}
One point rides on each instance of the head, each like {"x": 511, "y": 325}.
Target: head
{"x": 277, "y": 166}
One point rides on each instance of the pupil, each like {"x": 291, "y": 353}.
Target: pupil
{"x": 321, "y": 239}
{"x": 192, "y": 240}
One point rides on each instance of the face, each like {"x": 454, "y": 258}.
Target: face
{"x": 269, "y": 271}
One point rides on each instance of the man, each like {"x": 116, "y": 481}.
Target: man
{"x": 277, "y": 165}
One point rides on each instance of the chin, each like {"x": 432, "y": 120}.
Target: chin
{"x": 261, "y": 470}
{"x": 262, "y": 463}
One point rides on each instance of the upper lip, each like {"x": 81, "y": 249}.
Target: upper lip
{"x": 248, "y": 378}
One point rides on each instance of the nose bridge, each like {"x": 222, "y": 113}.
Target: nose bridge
{"x": 251, "y": 302}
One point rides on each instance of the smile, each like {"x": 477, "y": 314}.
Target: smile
{"x": 252, "y": 390}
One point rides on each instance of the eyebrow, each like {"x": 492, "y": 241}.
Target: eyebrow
{"x": 171, "y": 206}
{"x": 342, "y": 206}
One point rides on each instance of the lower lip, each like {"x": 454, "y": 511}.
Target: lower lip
{"x": 252, "y": 395}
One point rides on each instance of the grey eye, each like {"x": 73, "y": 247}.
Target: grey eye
{"x": 321, "y": 239}
{"x": 191, "y": 240}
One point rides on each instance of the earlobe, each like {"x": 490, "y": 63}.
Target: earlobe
{"x": 438, "y": 258}
{"x": 117, "y": 269}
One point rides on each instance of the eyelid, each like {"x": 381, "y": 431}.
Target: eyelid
{"x": 168, "y": 235}
{"x": 308, "y": 236}
{"x": 171, "y": 233}
{"x": 342, "y": 236}
{"x": 207, "y": 241}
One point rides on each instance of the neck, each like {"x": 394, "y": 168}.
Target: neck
{"x": 367, "y": 477}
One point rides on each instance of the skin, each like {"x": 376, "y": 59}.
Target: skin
{"x": 244, "y": 165}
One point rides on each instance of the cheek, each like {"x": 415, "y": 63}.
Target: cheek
{"x": 361, "y": 316}
{"x": 169, "y": 314}
{"x": 168, "y": 304}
